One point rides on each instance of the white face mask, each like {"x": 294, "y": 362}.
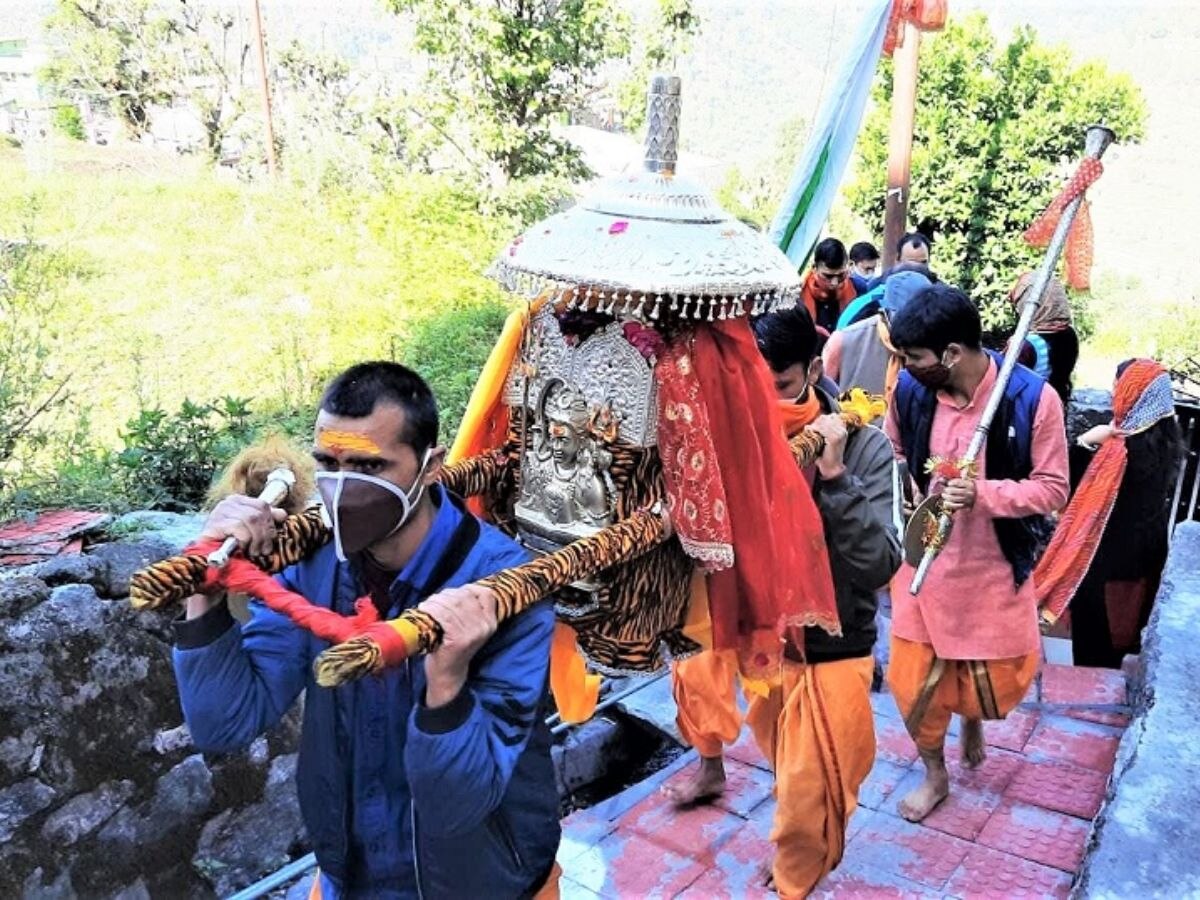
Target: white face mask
{"x": 365, "y": 509}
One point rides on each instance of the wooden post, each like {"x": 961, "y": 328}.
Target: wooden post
{"x": 904, "y": 105}
{"x": 256, "y": 18}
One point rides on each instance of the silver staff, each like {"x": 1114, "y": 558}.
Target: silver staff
{"x": 1098, "y": 139}
{"x": 278, "y": 486}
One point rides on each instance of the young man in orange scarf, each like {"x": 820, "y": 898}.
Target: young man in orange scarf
{"x": 969, "y": 642}
{"x": 828, "y": 289}
{"x": 814, "y": 723}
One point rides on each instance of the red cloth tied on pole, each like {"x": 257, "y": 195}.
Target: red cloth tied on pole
{"x": 1079, "y": 239}
{"x": 242, "y": 576}
{"x": 924, "y": 15}
{"x": 780, "y": 577}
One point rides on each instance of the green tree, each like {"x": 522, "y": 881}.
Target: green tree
{"x": 999, "y": 127}
{"x": 505, "y": 70}
{"x": 661, "y": 42}
{"x": 113, "y": 52}
{"x": 130, "y": 55}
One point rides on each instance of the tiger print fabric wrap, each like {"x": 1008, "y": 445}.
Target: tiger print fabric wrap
{"x": 633, "y": 622}
{"x": 175, "y": 579}
{"x": 475, "y": 477}
{"x": 520, "y": 587}
{"x": 807, "y": 446}
{"x": 170, "y": 580}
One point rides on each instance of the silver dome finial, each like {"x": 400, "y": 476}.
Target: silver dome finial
{"x": 662, "y": 124}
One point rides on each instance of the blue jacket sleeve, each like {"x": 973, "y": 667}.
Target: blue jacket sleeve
{"x": 460, "y": 757}
{"x": 238, "y": 685}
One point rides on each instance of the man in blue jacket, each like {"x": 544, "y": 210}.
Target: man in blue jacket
{"x": 433, "y": 779}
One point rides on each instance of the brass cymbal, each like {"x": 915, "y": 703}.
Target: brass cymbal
{"x": 914, "y": 532}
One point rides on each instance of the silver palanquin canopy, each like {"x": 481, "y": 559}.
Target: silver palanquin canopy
{"x": 651, "y": 243}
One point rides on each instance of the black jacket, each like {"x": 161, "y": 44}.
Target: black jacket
{"x": 861, "y": 513}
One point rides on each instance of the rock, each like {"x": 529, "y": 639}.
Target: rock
{"x": 20, "y": 755}
{"x": 240, "y": 846}
{"x": 259, "y": 753}
{"x": 72, "y": 610}
{"x": 19, "y": 593}
{"x": 181, "y": 798}
{"x": 588, "y": 752}
{"x": 71, "y": 569}
{"x": 135, "y": 891}
{"x": 172, "y": 740}
{"x": 59, "y": 888}
{"x": 1088, "y": 407}
{"x": 176, "y": 530}
{"x": 121, "y": 560}
{"x": 83, "y": 814}
{"x": 21, "y": 802}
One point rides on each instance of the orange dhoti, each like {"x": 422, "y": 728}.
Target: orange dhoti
{"x": 817, "y": 730}
{"x": 929, "y": 689}
{"x": 705, "y": 688}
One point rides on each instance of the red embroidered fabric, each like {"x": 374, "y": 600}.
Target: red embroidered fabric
{"x": 695, "y": 493}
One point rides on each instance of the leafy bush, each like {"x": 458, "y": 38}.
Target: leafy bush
{"x": 448, "y": 348}
{"x": 998, "y": 128}
{"x": 170, "y": 459}
{"x": 69, "y": 122}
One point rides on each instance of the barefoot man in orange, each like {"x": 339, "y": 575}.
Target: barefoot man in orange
{"x": 815, "y": 724}
{"x": 969, "y": 642}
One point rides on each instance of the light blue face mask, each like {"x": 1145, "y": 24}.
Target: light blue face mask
{"x": 363, "y": 509}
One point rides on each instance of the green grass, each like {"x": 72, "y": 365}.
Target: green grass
{"x": 195, "y": 285}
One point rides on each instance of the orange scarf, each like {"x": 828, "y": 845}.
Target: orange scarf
{"x": 883, "y": 332}
{"x": 812, "y": 293}
{"x": 798, "y": 414}
{"x": 1081, "y": 527}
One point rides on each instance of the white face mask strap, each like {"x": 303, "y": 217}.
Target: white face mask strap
{"x": 335, "y": 516}
{"x": 418, "y": 485}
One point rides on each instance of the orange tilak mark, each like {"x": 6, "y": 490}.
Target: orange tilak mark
{"x": 342, "y": 441}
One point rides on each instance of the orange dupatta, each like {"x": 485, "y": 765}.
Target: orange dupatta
{"x": 1066, "y": 561}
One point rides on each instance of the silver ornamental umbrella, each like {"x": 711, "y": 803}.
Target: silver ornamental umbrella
{"x": 651, "y": 243}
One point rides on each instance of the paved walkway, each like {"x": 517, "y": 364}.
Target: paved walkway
{"x": 1016, "y": 827}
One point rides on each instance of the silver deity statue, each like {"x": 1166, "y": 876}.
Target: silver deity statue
{"x": 566, "y": 492}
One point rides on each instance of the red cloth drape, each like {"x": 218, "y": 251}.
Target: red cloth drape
{"x": 781, "y": 576}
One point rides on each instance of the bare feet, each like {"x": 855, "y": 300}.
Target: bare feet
{"x": 707, "y": 784}
{"x": 933, "y": 790}
{"x": 974, "y": 751}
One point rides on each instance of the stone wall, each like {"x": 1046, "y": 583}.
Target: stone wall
{"x": 1145, "y": 838}
{"x": 101, "y": 792}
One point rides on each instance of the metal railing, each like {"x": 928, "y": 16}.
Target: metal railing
{"x": 1187, "y": 484}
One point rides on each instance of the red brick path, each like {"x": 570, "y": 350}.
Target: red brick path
{"x": 1016, "y": 827}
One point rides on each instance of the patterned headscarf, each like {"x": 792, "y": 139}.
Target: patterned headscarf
{"x": 1053, "y": 313}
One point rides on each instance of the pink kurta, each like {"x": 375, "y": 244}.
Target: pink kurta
{"x": 969, "y": 607}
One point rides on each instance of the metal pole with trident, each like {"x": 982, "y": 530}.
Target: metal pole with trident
{"x": 1098, "y": 139}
